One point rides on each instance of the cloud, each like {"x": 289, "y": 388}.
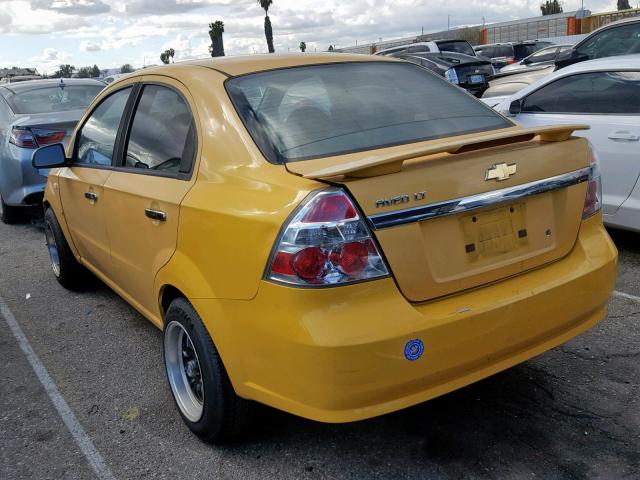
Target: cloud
{"x": 72, "y": 7}
{"x": 163, "y": 7}
{"x": 89, "y": 46}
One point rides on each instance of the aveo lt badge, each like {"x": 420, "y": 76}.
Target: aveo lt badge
{"x": 413, "y": 349}
{"x": 500, "y": 172}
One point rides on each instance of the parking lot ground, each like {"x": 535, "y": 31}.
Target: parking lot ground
{"x": 571, "y": 413}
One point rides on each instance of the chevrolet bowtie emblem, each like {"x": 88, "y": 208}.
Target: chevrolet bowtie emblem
{"x": 500, "y": 172}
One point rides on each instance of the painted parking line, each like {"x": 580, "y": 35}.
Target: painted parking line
{"x": 81, "y": 438}
{"x": 626, "y": 295}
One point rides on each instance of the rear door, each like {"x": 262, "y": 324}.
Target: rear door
{"x": 610, "y": 103}
{"x": 82, "y": 184}
{"x": 143, "y": 194}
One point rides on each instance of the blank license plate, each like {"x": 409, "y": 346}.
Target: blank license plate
{"x": 476, "y": 79}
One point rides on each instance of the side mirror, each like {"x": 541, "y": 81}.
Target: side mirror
{"x": 51, "y": 156}
{"x": 515, "y": 107}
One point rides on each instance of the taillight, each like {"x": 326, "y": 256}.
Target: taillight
{"x": 326, "y": 243}
{"x": 35, "y": 137}
{"x": 511, "y": 60}
{"x": 47, "y": 137}
{"x": 22, "y": 137}
{"x": 593, "y": 199}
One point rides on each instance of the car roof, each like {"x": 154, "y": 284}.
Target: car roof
{"x": 245, "y": 64}
{"x": 14, "y": 88}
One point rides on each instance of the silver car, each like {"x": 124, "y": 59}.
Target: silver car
{"x": 33, "y": 114}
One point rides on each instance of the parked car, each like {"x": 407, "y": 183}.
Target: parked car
{"x": 502, "y": 87}
{"x": 435, "y": 46}
{"x": 617, "y": 38}
{"x": 604, "y": 94}
{"x": 337, "y": 236}
{"x": 542, "y": 58}
{"x": 503, "y": 54}
{"x": 471, "y": 73}
{"x": 32, "y": 114}
{"x": 19, "y": 78}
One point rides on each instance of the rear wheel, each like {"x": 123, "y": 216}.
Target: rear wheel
{"x": 69, "y": 273}
{"x": 8, "y": 214}
{"x": 199, "y": 382}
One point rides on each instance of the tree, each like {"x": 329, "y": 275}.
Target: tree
{"x": 95, "y": 71}
{"x": 167, "y": 55}
{"x": 303, "y": 47}
{"x": 550, "y": 7}
{"x": 268, "y": 32}
{"x": 216, "y": 29}
{"x": 330, "y": 48}
{"x": 84, "y": 72}
{"x": 623, "y": 5}
{"x": 65, "y": 71}
{"x": 126, "y": 68}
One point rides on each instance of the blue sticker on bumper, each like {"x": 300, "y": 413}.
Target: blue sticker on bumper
{"x": 413, "y": 350}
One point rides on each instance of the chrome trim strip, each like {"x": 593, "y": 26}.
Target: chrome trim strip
{"x": 481, "y": 200}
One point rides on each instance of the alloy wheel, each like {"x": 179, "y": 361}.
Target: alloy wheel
{"x": 183, "y": 371}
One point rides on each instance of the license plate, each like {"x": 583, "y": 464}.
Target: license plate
{"x": 476, "y": 78}
{"x": 494, "y": 232}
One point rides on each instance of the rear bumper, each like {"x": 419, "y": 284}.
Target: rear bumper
{"x": 21, "y": 184}
{"x": 337, "y": 354}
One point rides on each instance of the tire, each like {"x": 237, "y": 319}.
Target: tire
{"x": 202, "y": 391}
{"x": 9, "y": 214}
{"x": 68, "y": 271}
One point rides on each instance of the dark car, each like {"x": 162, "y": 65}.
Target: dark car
{"x": 503, "y": 54}
{"x": 471, "y": 73}
{"x": 617, "y": 38}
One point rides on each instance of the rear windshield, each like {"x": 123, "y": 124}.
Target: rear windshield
{"x": 54, "y": 99}
{"x": 323, "y": 110}
{"x": 459, "y": 47}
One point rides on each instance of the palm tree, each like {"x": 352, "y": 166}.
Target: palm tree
{"x": 268, "y": 32}
{"x": 216, "y": 29}
{"x": 303, "y": 46}
{"x": 164, "y": 58}
{"x": 171, "y": 52}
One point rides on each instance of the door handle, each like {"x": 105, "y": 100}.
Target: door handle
{"x": 91, "y": 196}
{"x": 155, "y": 214}
{"x": 624, "y": 135}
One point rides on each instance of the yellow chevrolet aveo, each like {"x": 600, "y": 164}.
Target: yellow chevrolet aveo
{"x": 335, "y": 236}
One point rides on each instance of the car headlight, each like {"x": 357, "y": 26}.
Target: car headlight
{"x": 452, "y": 76}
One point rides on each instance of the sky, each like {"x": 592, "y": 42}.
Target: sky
{"x": 109, "y": 33}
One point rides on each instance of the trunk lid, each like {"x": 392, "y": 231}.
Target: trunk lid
{"x": 444, "y": 220}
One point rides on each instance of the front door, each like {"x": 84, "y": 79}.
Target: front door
{"x": 82, "y": 184}
{"x": 144, "y": 193}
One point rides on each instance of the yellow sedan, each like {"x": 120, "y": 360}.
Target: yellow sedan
{"x": 335, "y": 236}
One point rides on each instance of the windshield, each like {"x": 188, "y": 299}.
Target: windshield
{"x": 318, "y": 111}
{"x": 54, "y": 99}
{"x": 459, "y": 46}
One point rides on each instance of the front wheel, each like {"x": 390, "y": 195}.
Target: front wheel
{"x": 69, "y": 273}
{"x": 199, "y": 382}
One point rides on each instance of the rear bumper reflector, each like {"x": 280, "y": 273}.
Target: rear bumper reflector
{"x": 481, "y": 200}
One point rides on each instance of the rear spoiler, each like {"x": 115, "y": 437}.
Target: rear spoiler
{"x": 383, "y": 164}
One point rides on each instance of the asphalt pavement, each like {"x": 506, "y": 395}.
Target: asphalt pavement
{"x": 571, "y": 413}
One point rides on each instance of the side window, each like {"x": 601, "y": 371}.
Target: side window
{"x": 97, "y": 139}
{"x": 619, "y": 40}
{"x": 588, "y": 93}
{"x": 488, "y": 52}
{"x": 545, "y": 55}
{"x": 504, "y": 51}
{"x": 162, "y": 136}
